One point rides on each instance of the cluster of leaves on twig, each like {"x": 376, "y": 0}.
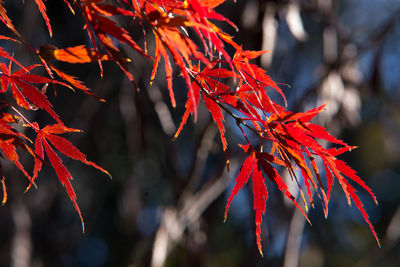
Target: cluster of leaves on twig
{"x": 227, "y": 83}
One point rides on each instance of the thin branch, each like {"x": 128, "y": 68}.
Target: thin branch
{"x": 176, "y": 220}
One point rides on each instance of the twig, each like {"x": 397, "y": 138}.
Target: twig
{"x": 176, "y": 220}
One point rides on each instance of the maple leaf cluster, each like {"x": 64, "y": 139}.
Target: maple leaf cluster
{"x": 227, "y": 83}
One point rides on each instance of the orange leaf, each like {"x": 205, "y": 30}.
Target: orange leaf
{"x": 3, "y": 184}
{"x": 76, "y": 54}
{"x": 42, "y": 9}
{"x": 211, "y": 3}
{"x": 74, "y": 82}
{"x": 6, "y": 20}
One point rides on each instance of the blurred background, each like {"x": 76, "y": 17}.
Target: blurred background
{"x": 165, "y": 203}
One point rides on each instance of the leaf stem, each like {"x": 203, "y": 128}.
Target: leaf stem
{"x": 238, "y": 119}
{"x": 25, "y": 119}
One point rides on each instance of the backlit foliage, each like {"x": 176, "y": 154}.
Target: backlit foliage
{"x": 229, "y": 84}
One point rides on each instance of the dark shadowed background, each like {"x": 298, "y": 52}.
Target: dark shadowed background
{"x": 165, "y": 203}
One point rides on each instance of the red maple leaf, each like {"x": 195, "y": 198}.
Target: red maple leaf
{"x": 46, "y": 141}
{"x": 42, "y": 9}
{"x": 25, "y": 94}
